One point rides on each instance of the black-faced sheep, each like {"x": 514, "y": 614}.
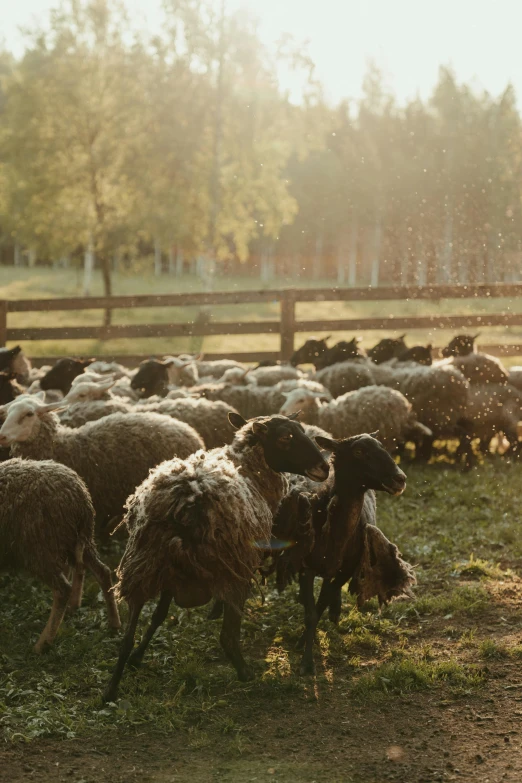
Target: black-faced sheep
{"x": 387, "y": 348}
{"x": 341, "y": 352}
{"x": 345, "y": 543}
{"x": 14, "y": 362}
{"x": 478, "y": 368}
{"x": 419, "y": 354}
{"x": 46, "y": 528}
{"x": 63, "y": 373}
{"x": 460, "y": 345}
{"x": 310, "y": 352}
{"x": 193, "y": 527}
{"x": 112, "y": 455}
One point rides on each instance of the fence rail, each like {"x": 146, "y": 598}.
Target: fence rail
{"x": 287, "y": 326}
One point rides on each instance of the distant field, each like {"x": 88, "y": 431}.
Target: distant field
{"x": 42, "y": 283}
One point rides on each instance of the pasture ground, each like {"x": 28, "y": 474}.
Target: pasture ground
{"x": 427, "y": 690}
{"x": 25, "y": 283}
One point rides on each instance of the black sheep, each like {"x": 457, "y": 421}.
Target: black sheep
{"x": 345, "y": 543}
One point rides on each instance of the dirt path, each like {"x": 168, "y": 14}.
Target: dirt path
{"x": 426, "y": 737}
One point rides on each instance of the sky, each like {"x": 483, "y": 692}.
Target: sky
{"x": 408, "y": 39}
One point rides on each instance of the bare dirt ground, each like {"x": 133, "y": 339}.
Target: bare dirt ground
{"x": 422, "y": 738}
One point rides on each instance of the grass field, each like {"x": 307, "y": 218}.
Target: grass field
{"x": 428, "y": 689}
{"x": 24, "y": 283}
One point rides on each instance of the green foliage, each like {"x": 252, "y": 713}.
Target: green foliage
{"x": 112, "y": 137}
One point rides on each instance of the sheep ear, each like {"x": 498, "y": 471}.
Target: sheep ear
{"x": 374, "y": 434}
{"x": 52, "y": 406}
{"x": 258, "y": 428}
{"x": 328, "y": 337}
{"x": 236, "y": 420}
{"x": 476, "y": 336}
{"x": 401, "y": 336}
{"x": 39, "y": 395}
{"x": 87, "y": 362}
{"x": 328, "y": 444}
{"x": 294, "y": 416}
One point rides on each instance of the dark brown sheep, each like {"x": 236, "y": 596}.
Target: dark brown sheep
{"x": 343, "y": 541}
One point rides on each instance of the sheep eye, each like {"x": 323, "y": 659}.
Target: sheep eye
{"x": 31, "y": 413}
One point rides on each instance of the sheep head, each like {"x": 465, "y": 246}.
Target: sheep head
{"x": 87, "y": 391}
{"x": 22, "y": 416}
{"x": 286, "y": 446}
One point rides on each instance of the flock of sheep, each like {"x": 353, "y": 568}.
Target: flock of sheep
{"x": 217, "y": 485}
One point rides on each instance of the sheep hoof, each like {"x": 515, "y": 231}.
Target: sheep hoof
{"x": 216, "y": 611}
{"x": 109, "y": 694}
{"x": 42, "y": 646}
{"x": 306, "y": 668}
{"x": 135, "y": 660}
{"x": 301, "y": 643}
{"x": 246, "y": 673}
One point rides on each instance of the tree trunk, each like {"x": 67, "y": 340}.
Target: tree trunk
{"x": 107, "y": 286}
{"x": 341, "y": 267}
{"x": 179, "y": 262}
{"x": 157, "y": 258}
{"x": 88, "y": 266}
{"x": 318, "y": 256}
{"x": 352, "y": 257}
{"x": 448, "y": 245}
{"x": 172, "y": 260}
{"x": 263, "y": 266}
{"x": 376, "y": 258}
{"x": 17, "y": 255}
{"x": 420, "y": 272}
{"x": 31, "y": 257}
{"x": 404, "y": 250}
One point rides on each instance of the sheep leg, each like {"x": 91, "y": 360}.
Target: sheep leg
{"x": 102, "y": 574}
{"x": 61, "y": 595}
{"x": 306, "y": 583}
{"x": 158, "y": 617}
{"x": 127, "y": 643}
{"x": 216, "y": 610}
{"x": 330, "y": 596}
{"x": 78, "y": 577}
{"x": 230, "y": 642}
{"x": 424, "y": 450}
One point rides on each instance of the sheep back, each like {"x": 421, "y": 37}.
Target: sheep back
{"x": 112, "y": 455}
{"x": 45, "y": 512}
{"x": 195, "y": 523}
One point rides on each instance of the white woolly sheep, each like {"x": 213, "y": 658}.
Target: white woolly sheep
{"x": 193, "y": 527}
{"x": 112, "y": 455}
{"x": 46, "y": 528}
{"x": 94, "y": 401}
{"x": 515, "y": 377}
{"x": 252, "y": 401}
{"x": 365, "y": 410}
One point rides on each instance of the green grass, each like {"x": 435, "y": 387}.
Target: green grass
{"x": 25, "y": 283}
{"x": 440, "y": 640}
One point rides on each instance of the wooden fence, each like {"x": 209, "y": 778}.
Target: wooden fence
{"x": 287, "y": 326}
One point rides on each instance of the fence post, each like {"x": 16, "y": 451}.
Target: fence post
{"x": 3, "y": 322}
{"x": 287, "y": 324}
